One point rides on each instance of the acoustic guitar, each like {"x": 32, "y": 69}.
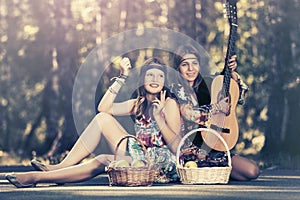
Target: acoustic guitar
{"x": 224, "y": 86}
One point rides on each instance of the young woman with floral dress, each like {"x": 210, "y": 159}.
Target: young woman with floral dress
{"x": 157, "y": 125}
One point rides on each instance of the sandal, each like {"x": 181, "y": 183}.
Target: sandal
{"x": 13, "y": 180}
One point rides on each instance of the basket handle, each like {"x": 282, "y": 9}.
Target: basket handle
{"x": 140, "y": 143}
{"x": 208, "y": 130}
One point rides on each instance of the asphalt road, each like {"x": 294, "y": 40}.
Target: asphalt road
{"x": 273, "y": 184}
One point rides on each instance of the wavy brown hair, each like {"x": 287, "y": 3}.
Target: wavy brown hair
{"x": 141, "y": 103}
{"x": 199, "y": 87}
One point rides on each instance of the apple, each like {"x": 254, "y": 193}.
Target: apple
{"x": 122, "y": 163}
{"x": 191, "y": 164}
{"x": 138, "y": 163}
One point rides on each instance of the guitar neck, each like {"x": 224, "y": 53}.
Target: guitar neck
{"x": 230, "y": 52}
{"x": 231, "y": 45}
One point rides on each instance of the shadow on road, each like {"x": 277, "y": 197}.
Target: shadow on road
{"x": 272, "y": 184}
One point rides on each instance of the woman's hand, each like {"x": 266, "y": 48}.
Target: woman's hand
{"x": 232, "y": 64}
{"x": 125, "y": 66}
{"x": 189, "y": 113}
{"x": 159, "y": 104}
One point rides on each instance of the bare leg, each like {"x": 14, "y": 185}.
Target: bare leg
{"x": 102, "y": 124}
{"x": 76, "y": 173}
{"x": 243, "y": 169}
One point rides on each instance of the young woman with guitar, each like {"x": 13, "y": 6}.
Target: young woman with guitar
{"x": 226, "y": 92}
{"x": 196, "y": 108}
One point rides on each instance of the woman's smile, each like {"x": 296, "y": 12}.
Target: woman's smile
{"x": 154, "y": 85}
{"x": 154, "y": 80}
{"x": 192, "y": 74}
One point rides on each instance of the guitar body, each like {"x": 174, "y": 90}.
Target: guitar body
{"x": 224, "y": 86}
{"x": 225, "y": 125}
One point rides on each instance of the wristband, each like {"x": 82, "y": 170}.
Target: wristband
{"x": 112, "y": 90}
{"x": 123, "y": 76}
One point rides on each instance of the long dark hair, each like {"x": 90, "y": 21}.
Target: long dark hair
{"x": 199, "y": 87}
{"x": 141, "y": 105}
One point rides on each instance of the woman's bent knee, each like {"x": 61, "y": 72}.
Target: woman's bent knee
{"x": 102, "y": 115}
{"x": 253, "y": 173}
{"x": 103, "y": 118}
{"x": 104, "y": 159}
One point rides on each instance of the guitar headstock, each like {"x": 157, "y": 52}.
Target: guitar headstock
{"x": 231, "y": 12}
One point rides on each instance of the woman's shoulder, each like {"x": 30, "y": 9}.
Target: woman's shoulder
{"x": 170, "y": 100}
{"x": 171, "y": 103}
{"x": 179, "y": 92}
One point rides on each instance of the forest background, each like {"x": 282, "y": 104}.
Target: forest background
{"x": 43, "y": 43}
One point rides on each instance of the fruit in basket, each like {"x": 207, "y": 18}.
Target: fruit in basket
{"x": 191, "y": 164}
{"x": 112, "y": 164}
{"x": 138, "y": 163}
{"x": 203, "y": 163}
{"x": 121, "y": 163}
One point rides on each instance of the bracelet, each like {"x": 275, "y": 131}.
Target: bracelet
{"x": 120, "y": 82}
{"x": 123, "y": 76}
{"x": 112, "y": 90}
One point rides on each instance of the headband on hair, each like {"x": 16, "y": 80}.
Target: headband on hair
{"x": 154, "y": 66}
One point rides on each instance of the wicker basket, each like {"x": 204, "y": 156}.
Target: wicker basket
{"x": 203, "y": 175}
{"x": 131, "y": 176}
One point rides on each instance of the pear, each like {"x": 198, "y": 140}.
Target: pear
{"x": 138, "y": 163}
{"x": 191, "y": 164}
{"x": 122, "y": 163}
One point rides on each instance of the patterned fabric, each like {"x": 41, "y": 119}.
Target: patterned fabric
{"x": 244, "y": 88}
{"x": 185, "y": 99}
{"x": 205, "y": 112}
{"x": 149, "y": 133}
{"x": 180, "y": 93}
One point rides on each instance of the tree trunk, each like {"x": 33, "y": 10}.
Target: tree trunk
{"x": 66, "y": 56}
{"x": 281, "y": 134}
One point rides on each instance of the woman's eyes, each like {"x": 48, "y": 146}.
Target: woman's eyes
{"x": 186, "y": 64}
{"x": 160, "y": 75}
{"x": 150, "y": 74}
{"x": 183, "y": 64}
{"x": 153, "y": 75}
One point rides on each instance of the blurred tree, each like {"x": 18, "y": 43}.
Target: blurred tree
{"x": 253, "y": 67}
{"x": 43, "y": 43}
{"x": 282, "y": 133}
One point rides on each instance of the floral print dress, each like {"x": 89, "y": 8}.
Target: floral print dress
{"x": 149, "y": 133}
